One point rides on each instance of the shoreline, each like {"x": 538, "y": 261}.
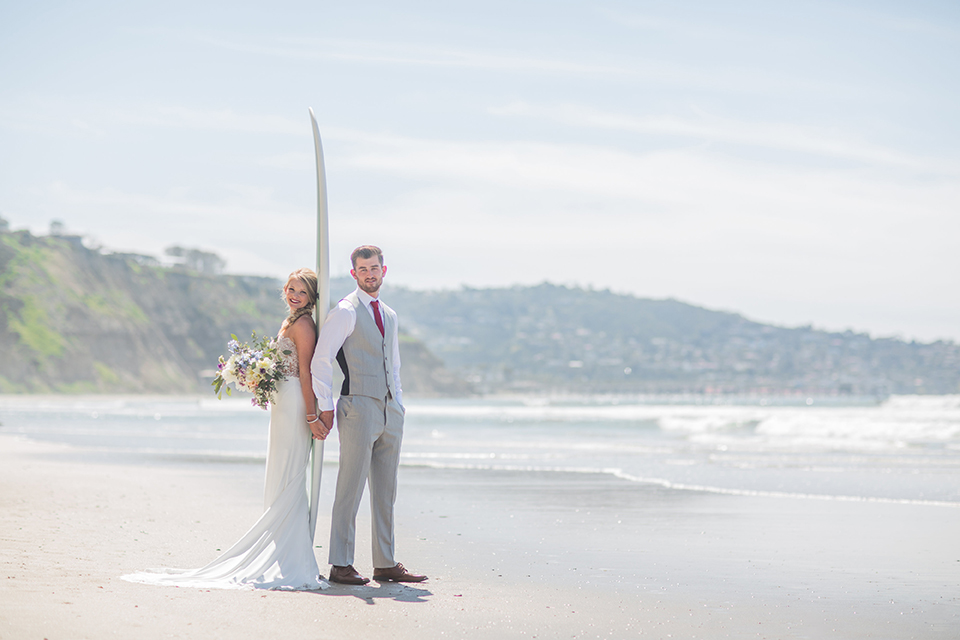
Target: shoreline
{"x": 784, "y": 398}
{"x": 508, "y": 555}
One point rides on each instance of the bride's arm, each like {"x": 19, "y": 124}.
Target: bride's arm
{"x": 304, "y": 336}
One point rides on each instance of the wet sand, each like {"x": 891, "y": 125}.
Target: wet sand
{"x": 509, "y": 554}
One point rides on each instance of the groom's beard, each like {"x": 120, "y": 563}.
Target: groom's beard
{"x": 370, "y": 287}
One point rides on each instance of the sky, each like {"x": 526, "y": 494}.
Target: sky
{"x": 794, "y": 162}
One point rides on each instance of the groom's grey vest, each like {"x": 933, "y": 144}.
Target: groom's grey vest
{"x": 366, "y": 357}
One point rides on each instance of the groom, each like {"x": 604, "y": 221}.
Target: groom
{"x": 361, "y": 334}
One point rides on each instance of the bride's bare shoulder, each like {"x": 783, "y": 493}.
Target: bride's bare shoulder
{"x": 304, "y": 328}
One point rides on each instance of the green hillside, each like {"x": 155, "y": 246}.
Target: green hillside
{"x": 73, "y": 320}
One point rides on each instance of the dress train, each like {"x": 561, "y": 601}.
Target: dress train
{"x": 277, "y": 552}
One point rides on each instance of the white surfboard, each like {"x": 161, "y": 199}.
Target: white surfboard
{"x": 323, "y": 305}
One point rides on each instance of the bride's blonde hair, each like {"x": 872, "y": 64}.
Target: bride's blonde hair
{"x": 309, "y": 280}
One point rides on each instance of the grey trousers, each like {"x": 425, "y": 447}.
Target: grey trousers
{"x": 370, "y": 432}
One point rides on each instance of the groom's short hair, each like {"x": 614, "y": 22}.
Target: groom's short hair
{"x": 366, "y": 252}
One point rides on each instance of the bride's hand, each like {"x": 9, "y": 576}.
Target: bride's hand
{"x": 322, "y": 426}
{"x": 316, "y": 428}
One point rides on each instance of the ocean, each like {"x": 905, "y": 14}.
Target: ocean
{"x": 905, "y": 449}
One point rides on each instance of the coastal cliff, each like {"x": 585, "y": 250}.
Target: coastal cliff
{"x": 75, "y": 320}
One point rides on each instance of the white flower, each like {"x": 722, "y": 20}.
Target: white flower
{"x": 229, "y": 371}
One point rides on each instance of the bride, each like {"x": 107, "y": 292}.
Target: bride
{"x": 277, "y": 552}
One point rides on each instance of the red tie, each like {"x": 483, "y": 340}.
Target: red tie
{"x": 376, "y": 316}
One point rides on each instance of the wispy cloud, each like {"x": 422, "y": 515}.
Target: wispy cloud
{"x": 94, "y": 119}
{"x": 179, "y": 117}
{"x": 780, "y": 136}
{"x": 571, "y": 64}
{"x": 238, "y": 202}
{"x": 34, "y": 116}
{"x": 672, "y": 177}
{"x": 410, "y": 55}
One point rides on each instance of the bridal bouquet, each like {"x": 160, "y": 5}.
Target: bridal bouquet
{"x": 253, "y": 367}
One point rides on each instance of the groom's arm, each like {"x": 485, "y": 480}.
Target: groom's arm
{"x": 336, "y": 328}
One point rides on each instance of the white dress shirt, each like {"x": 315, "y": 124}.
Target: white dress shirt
{"x": 338, "y": 326}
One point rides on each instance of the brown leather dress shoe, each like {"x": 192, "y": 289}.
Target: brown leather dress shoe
{"x": 346, "y": 575}
{"x": 396, "y": 574}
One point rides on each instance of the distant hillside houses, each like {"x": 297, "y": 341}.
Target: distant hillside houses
{"x": 548, "y": 338}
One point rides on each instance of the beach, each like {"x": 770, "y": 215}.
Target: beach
{"x": 510, "y": 554}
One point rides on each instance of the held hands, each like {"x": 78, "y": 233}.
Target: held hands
{"x": 320, "y": 426}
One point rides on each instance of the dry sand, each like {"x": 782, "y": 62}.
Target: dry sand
{"x": 552, "y": 556}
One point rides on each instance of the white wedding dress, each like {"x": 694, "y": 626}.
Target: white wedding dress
{"x": 277, "y": 552}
